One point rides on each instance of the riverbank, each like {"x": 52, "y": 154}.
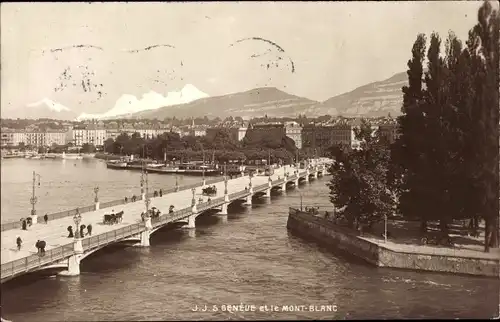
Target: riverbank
{"x": 394, "y": 255}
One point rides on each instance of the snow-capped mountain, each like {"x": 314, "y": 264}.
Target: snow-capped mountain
{"x": 44, "y": 108}
{"x": 50, "y": 104}
{"x": 129, "y": 104}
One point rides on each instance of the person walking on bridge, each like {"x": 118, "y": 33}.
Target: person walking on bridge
{"x": 19, "y": 242}
{"x": 89, "y": 229}
{"x": 46, "y": 218}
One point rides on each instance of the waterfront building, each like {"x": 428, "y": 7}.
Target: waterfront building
{"x": 57, "y": 137}
{"x": 12, "y": 137}
{"x": 79, "y": 135}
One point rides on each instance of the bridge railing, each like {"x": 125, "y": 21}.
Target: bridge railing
{"x": 107, "y": 204}
{"x": 261, "y": 187}
{"x": 207, "y": 205}
{"x": 112, "y": 236}
{"x": 34, "y": 261}
{"x": 165, "y": 218}
{"x": 238, "y": 195}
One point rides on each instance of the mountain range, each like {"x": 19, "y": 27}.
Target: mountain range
{"x": 371, "y": 100}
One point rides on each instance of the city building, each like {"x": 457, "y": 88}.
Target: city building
{"x": 294, "y": 131}
{"x": 389, "y": 129}
{"x": 236, "y": 131}
{"x": 57, "y": 137}
{"x": 272, "y": 129}
{"x": 79, "y": 135}
{"x": 11, "y": 137}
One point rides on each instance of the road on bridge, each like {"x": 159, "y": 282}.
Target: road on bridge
{"x": 55, "y": 233}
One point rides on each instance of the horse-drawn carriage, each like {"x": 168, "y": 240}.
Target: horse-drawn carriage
{"x": 110, "y": 219}
{"x": 209, "y": 191}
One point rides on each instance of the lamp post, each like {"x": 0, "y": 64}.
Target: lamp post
{"x": 147, "y": 201}
{"x": 142, "y": 180}
{"x": 385, "y": 228}
{"x": 96, "y": 191}
{"x": 34, "y": 199}
{"x": 193, "y": 201}
{"x": 225, "y": 170}
{"x": 77, "y": 219}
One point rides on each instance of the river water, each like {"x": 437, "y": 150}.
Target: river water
{"x": 251, "y": 259}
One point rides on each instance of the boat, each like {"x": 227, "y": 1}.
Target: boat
{"x": 117, "y": 164}
{"x": 72, "y": 156}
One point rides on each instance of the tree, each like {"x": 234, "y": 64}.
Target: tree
{"x": 358, "y": 187}
{"x": 408, "y": 161}
{"x": 88, "y": 148}
{"x": 484, "y": 49}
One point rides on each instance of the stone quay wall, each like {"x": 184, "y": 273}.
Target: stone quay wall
{"x": 349, "y": 241}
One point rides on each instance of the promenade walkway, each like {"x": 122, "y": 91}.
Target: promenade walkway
{"x": 55, "y": 233}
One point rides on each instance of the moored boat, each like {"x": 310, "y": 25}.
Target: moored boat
{"x": 116, "y": 164}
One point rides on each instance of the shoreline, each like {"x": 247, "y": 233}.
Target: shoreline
{"x": 392, "y": 255}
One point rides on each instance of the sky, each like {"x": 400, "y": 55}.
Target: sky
{"x": 335, "y": 47}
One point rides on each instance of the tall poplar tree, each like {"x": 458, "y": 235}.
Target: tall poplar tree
{"x": 408, "y": 162}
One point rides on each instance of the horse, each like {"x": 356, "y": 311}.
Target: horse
{"x": 119, "y": 217}
{"x": 40, "y": 245}
{"x": 209, "y": 190}
{"x": 29, "y": 221}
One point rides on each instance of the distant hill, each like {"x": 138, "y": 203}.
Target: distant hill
{"x": 371, "y": 100}
{"x": 252, "y": 103}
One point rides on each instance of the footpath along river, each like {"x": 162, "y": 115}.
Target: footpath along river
{"x": 250, "y": 259}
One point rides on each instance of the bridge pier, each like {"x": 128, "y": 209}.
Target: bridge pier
{"x": 203, "y": 183}
{"x": 296, "y": 182}
{"x": 283, "y": 187}
{"x": 97, "y": 205}
{"x": 145, "y": 239}
{"x": 191, "y": 221}
{"x": 143, "y": 196}
{"x": 74, "y": 260}
{"x": 315, "y": 174}
{"x": 147, "y": 233}
{"x": 224, "y": 205}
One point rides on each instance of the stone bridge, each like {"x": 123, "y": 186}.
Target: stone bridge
{"x": 64, "y": 254}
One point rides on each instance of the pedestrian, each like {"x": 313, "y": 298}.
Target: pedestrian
{"x": 46, "y": 218}
{"x": 24, "y": 225}
{"x": 89, "y": 230}
{"x": 19, "y": 241}
{"x": 70, "y": 231}
{"x": 126, "y": 199}
{"x": 161, "y": 192}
